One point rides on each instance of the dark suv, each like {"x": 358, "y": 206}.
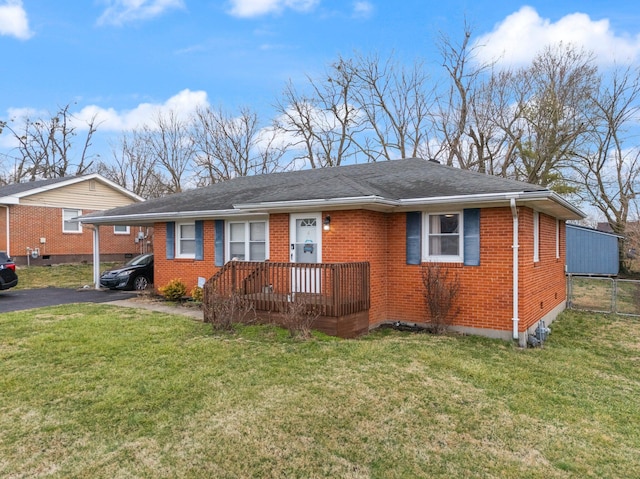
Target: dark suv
{"x": 8, "y": 277}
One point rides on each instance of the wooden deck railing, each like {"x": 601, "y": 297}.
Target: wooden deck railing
{"x": 336, "y": 289}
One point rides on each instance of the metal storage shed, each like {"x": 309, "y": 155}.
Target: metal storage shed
{"x": 591, "y": 252}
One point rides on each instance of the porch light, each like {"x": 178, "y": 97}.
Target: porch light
{"x": 326, "y": 225}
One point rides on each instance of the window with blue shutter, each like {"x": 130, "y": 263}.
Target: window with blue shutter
{"x": 414, "y": 227}
{"x": 171, "y": 239}
{"x": 219, "y": 243}
{"x": 472, "y": 237}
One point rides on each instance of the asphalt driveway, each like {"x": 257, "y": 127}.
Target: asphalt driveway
{"x": 21, "y": 299}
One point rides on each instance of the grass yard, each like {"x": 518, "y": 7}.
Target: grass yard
{"x": 61, "y": 276}
{"x": 92, "y": 391}
{"x": 605, "y": 294}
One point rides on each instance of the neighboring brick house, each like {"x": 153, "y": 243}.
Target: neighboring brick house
{"x": 505, "y": 240}
{"x": 36, "y": 219}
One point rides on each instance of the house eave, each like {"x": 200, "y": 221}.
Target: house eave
{"x": 74, "y": 180}
{"x": 545, "y": 201}
{"x": 151, "y": 218}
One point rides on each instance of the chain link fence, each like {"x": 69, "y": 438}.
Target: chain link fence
{"x": 604, "y": 295}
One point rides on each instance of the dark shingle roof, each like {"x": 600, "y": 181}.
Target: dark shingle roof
{"x": 392, "y": 180}
{"x": 17, "y": 188}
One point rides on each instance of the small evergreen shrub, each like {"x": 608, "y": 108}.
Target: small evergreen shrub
{"x": 174, "y": 290}
{"x": 197, "y": 294}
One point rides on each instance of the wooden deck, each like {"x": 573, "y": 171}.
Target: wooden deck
{"x": 338, "y": 292}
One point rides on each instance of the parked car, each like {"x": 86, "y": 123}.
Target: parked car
{"x": 137, "y": 273}
{"x": 8, "y": 276}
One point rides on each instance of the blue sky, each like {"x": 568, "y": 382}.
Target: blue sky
{"x": 124, "y": 59}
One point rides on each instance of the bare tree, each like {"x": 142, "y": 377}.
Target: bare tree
{"x": 229, "y": 146}
{"x": 135, "y": 167}
{"x": 322, "y": 124}
{"x": 556, "y": 101}
{"x": 170, "y": 141}
{"x": 46, "y": 147}
{"x": 463, "y": 115}
{"x": 476, "y": 116}
{"x": 395, "y": 102}
{"x": 609, "y": 170}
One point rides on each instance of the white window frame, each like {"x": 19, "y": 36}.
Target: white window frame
{"x": 179, "y": 238}
{"x": 247, "y": 240}
{"x": 441, "y": 258}
{"x": 536, "y": 236}
{"x": 127, "y": 230}
{"x": 76, "y": 212}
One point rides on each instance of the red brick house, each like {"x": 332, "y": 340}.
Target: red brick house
{"x": 505, "y": 240}
{"x": 37, "y": 220}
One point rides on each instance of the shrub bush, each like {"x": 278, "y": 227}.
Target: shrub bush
{"x": 225, "y": 311}
{"x": 197, "y": 294}
{"x": 440, "y": 293}
{"x": 298, "y": 316}
{"x": 174, "y": 290}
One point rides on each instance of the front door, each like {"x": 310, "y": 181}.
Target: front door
{"x": 305, "y": 247}
{"x": 305, "y": 238}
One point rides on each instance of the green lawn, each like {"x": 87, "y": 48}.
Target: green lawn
{"x": 92, "y": 391}
{"x": 61, "y": 276}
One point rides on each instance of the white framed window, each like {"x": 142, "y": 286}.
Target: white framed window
{"x": 121, "y": 230}
{"x": 247, "y": 240}
{"x": 185, "y": 240}
{"x": 443, "y": 237}
{"x": 536, "y": 236}
{"x": 69, "y": 225}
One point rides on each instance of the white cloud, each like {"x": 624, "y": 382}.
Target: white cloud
{"x": 520, "y": 36}
{"x": 362, "y": 9}
{"x": 255, "y": 8}
{"x": 119, "y": 12}
{"x": 14, "y": 21}
{"x": 109, "y": 119}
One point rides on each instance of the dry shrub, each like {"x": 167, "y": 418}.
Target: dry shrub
{"x": 440, "y": 293}
{"x": 298, "y": 315}
{"x": 225, "y": 311}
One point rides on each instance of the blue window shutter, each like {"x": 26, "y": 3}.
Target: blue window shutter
{"x": 219, "y": 243}
{"x": 472, "y": 237}
{"x": 414, "y": 237}
{"x": 171, "y": 239}
{"x": 199, "y": 240}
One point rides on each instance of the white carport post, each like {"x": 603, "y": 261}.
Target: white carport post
{"x": 96, "y": 256}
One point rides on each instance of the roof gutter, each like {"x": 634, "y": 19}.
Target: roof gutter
{"x": 488, "y": 198}
{"x": 515, "y": 246}
{"x": 552, "y": 195}
{"x": 156, "y": 217}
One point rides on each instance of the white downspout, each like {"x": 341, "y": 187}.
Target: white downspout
{"x": 515, "y": 246}
{"x": 6, "y": 207}
{"x": 96, "y": 256}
